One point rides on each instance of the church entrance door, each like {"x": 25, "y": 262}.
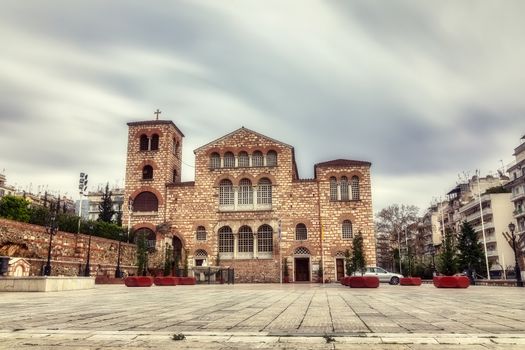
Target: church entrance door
{"x": 302, "y": 269}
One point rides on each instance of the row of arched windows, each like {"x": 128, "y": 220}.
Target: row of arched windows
{"x": 301, "y": 232}
{"x": 244, "y": 241}
{"x": 149, "y": 143}
{"x": 245, "y": 193}
{"x": 243, "y": 159}
{"x": 343, "y": 190}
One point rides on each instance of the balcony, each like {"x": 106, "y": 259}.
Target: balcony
{"x": 245, "y": 207}
{"x": 520, "y": 195}
{"x": 519, "y": 212}
{"x": 488, "y": 225}
{"x": 488, "y": 238}
{"x": 492, "y": 253}
{"x": 477, "y": 215}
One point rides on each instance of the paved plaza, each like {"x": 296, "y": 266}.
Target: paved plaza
{"x": 292, "y": 316}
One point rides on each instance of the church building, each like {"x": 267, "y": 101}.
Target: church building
{"x": 247, "y": 207}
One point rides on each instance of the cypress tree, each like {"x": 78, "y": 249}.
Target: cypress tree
{"x": 471, "y": 255}
{"x": 447, "y": 259}
{"x": 105, "y": 207}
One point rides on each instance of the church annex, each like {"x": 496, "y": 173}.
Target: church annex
{"x": 247, "y": 204}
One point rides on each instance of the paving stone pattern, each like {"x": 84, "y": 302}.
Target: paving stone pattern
{"x": 306, "y": 316}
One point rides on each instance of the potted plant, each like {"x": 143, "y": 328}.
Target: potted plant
{"x": 286, "y": 273}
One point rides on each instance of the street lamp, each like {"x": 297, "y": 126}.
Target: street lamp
{"x": 519, "y": 282}
{"x": 118, "y": 274}
{"x": 51, "y": 229}
{"x": 87, "y": 269}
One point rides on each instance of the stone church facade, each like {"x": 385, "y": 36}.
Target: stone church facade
{"x": 247, "y": 206}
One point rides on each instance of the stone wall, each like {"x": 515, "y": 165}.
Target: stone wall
{"x": 68, "y": 250}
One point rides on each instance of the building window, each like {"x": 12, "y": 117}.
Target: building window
{"x": 245, "y": 192}
{"x": 226, "y": 192}
{"x": 225, "y": 240}
{"x": 245, "y": 240}
{"x": 347, "y": 229}
{"x": 257, "y": 159}
{"x": 200, "y": 235}
{"x": 301, "y": 234}
{"x": 200, "y": 257}
{"x": 244, "y": 160}
{"x": 333, "y": 189}
{"x": 147, "y": 172}
{"x": 344, "y": 189}
{"x": 145, "y": 201}
{"x": 271, "y": 158}
{"x": 154, "y": 142}
{"x": 144, "y": 143}
{"x": 215, "y": 161}
{"x": 265, "y": 239}
{"x": 355, "y": 188}
{"x": 302, "y": 251}
{"x": 175, "y": 147}
{"x": 264, "y": 191}
{"x": 229, "y": 160}
{"x": 174, "y": 179}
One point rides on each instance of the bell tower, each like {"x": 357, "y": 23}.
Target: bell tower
{"x": 154, "y": 160}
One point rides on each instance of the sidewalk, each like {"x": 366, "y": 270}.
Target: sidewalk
{"x": 265, "y": 316}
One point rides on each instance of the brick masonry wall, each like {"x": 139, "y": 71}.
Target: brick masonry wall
{"x": 68, "y": 252}
{"x": 189, "y": 205}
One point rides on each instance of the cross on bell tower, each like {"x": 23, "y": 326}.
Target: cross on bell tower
{"x": 157, "y": 112}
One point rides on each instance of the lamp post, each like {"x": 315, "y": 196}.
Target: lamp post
{"x": 519, "y": 282}
{"x": 88, "y": 268}
{"x": 51, "y": 230}
{"x": 118, "y": 274}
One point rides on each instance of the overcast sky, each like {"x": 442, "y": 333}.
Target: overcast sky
{"x": 425, "y": 90}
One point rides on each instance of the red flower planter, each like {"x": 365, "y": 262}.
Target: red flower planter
{"x": 186, "y": 280}
{"x": 363, "y": 282}
{"x": 165, "y": 281}
{"x": 345, "y": 281}
{"x": 410, "y": 281}
{"x": 451, "y": 281}
{"x": 138, "y": 281}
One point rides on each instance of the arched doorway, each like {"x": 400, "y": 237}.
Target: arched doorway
{"x": 302, "y": 265}
{"x": 177, "y": 255}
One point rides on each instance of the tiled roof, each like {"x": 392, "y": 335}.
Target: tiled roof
{"x": 342, "y": 163}
{"x": 155, "y": 122}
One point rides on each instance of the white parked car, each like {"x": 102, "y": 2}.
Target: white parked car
{"x": 382, "y": 274}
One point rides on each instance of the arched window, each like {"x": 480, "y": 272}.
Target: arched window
{"x": 245, "y": 240}
{"x": 245, "y": 192}
{"x": 333, "y": 189}
{"x": 265, "y": 239}
{"x": 355, "y": 188}
{"x": 344, "y": 188}
{"x": 154, "y": 142}
{"x": 200, "y": 235}
{"x": 174, "y": 178}
{"x": 264, "y": 191}
{"x": 226, "y": 192}
{"x": 347, "y": 229}
{"x": 225, "y": 240}
{"x": 244, "y": 160}
{"x": 147, "y": 172}
{"x": 301, "y": 234}
{"x": 215, "y": 161}
{"x": 145, "y": 201}
{"x": 257, "y": 159}
{"x": 301, "y": 251}
{"x": 229, "y": 160}
{"x": 271, "y": 158}
{"x": 175, "y": 146}
{"x": 144, "y": 143}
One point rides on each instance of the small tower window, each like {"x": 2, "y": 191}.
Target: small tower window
{"x": 347, "y": 230}
{"x": 271, "y": 158}
{"x": 244, "y": 160}
{"x": 257, "y": 159}
{"x": 301, "y": 234}
{"x": 144, "y": 143}
{"x": 355, "y": 188}
{"x": 344, "y": 188}
{"x": 333, "y": 189}
{"x": 201, "y": 233}
{"x": 154, "y": 142}
{"x": 229, "y": 160}
{"x": 175, "y": 175}
{"x": 147, "y": 172}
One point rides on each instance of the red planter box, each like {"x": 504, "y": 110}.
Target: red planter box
{"x": 410, "y": 281}
{"x": 165, "y": 281}
{"x": 344, "y": 281}
{"x": 363, "y": 282}
{"x": 186, "y": 280}
{"x": 138, "y": 281}
{"x": 451, "y": 281}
